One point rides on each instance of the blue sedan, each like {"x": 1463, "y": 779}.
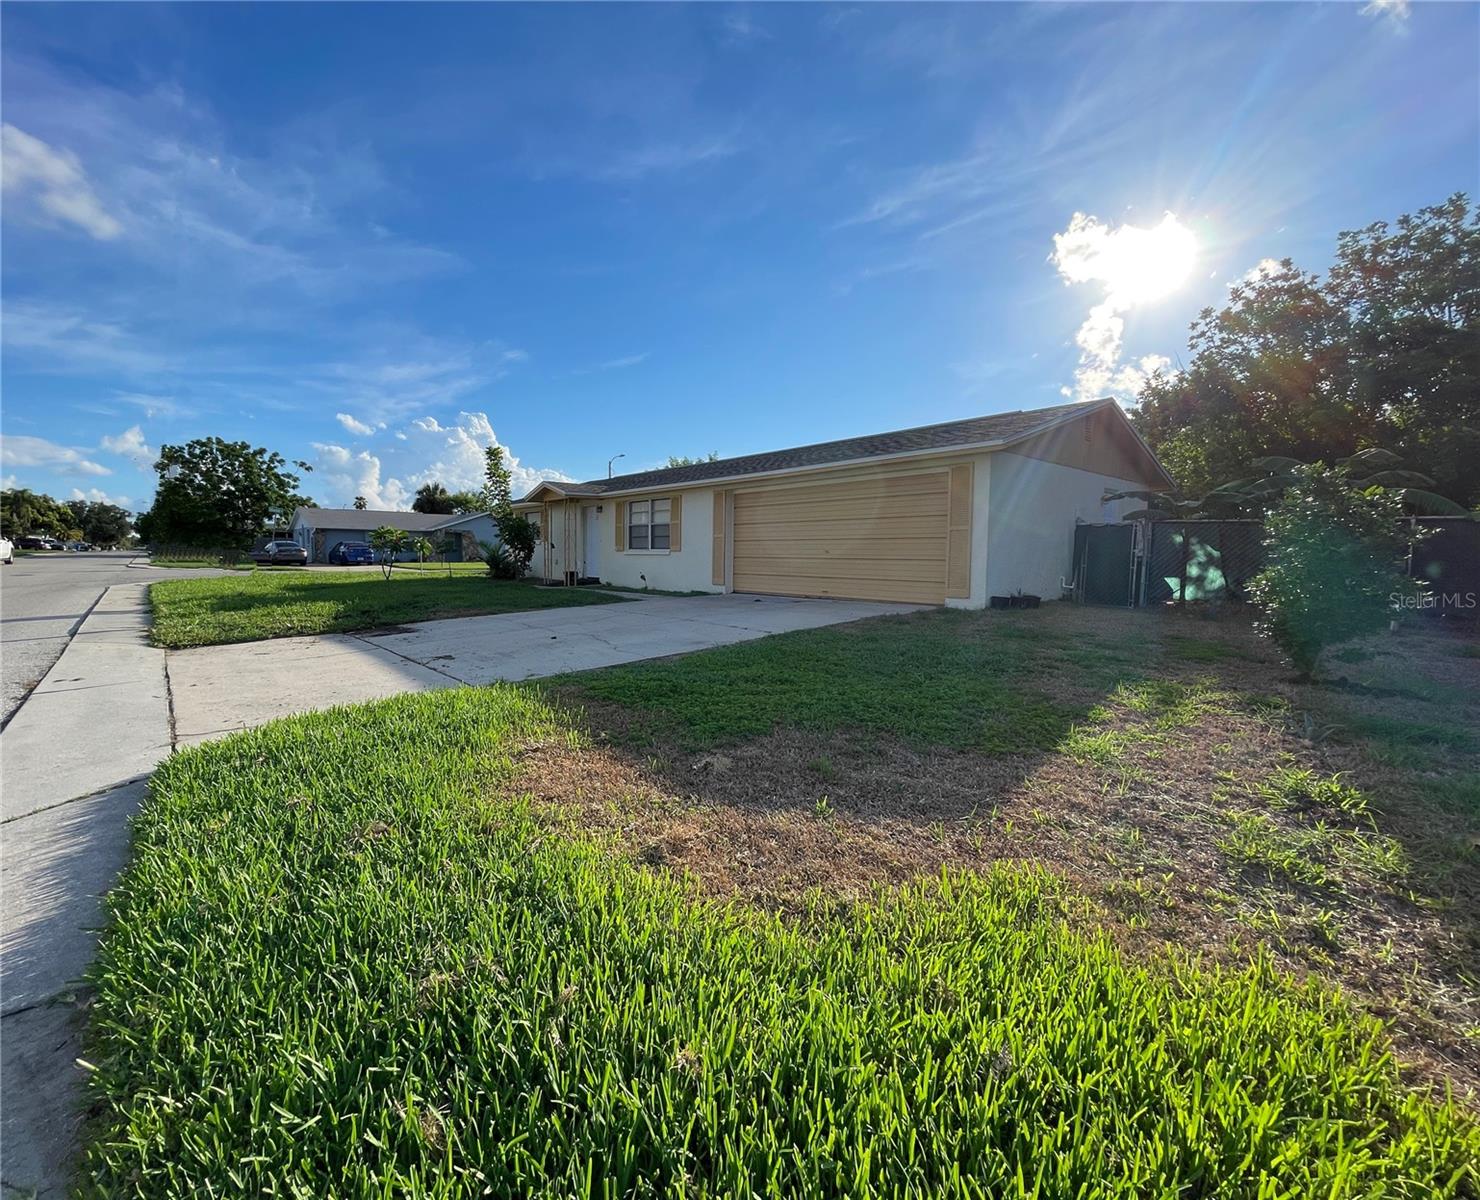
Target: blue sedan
{"x": 352, "y": 554}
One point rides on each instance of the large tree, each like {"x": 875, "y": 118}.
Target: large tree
{"x": 24, "y": 512}
{"x": 432, "y": 498}
{"x": 101, "y": 523}
{"x": 219, "y": 495}
{"x": 1384, "y": 351}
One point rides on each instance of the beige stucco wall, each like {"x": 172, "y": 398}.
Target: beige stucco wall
{"x": 1031, "y": 507}
{"x": 687, "y": 569}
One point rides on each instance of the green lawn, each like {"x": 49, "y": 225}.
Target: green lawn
{"x": 348, "y": 958}
{"x": 196, "y": 563}
{"x": 938, "y": 678}
{"x": 269, "y": 604}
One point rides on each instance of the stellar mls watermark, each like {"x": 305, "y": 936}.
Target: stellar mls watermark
{"x": 1449, "y": 601}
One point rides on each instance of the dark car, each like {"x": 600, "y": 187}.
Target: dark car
{"x": 352, "y": 554}
{"x": 281, "y": 554}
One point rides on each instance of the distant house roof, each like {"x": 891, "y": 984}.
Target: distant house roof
{"x": 994, "y": 430}
{"x": 365, "y": 519}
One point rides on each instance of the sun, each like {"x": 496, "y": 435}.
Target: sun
{"x": 1146, "y": 264}
{"x": 1137, "y": 265}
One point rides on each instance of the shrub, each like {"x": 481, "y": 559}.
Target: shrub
{"x": 519, "y": 536}
{"x": 1333, "y": 564}
{"x": 500, "y": 561}
{"x": 387, "y": 542}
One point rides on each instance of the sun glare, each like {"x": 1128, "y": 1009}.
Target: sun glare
{"x": 1136, "y": 265}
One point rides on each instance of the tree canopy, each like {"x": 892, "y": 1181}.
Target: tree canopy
{"x": 1383, "y": 352}
{"x": 218, "y": 494}
{"x": 24, "y": 512}
{"x": 683, "y": 460}
{"x": 498, "y": 483}
{"x": 432, "y": 498}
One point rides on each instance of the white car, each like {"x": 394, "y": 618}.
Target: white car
{"x": 7, "y": 550}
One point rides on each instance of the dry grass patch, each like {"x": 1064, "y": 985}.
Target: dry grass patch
{"x": 1204, "y": 799}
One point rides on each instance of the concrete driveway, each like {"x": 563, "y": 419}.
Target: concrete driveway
{"x": 216, "y": 690}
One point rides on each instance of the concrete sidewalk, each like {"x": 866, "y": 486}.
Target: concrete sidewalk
{"x": 73, "y": 766}
{"x": 221, "y": 689}
{"x": 75, "y": 758}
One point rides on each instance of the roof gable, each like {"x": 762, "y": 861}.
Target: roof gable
{"x": 365, "y": 519}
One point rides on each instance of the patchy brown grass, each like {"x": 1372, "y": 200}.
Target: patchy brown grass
{"x": 1208, "y": 801}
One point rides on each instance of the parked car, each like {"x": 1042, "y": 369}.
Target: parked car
{"x": 351, "y": 554}
{"x": 7, "y": 550}
{"x": 281, "y": 554}
{"x": 36, "y": 541}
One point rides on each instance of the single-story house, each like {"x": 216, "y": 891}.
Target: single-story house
{"x": 940, "y": 514}
{"x": 318, "y": 529}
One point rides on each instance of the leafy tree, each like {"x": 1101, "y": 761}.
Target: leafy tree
{"x": 466, "y": 502}
{"x": 1334, "y": 557}
{"x": 24, "y": 512}
{"x": 420, "y": 546}
{"x": 101, "y": 523}
{"x": 1384, "y": 352}
{"x": 432, "y": 498}
{"x": 361, "y": 504}
{"x": 1271, "y": 476}
{"x": 683, "y": 460}
{"x": 519, "y": 535}
{"x": 387, "y": 542}
{"x": 219, "y": 494}
{"x": 498, "y": 483}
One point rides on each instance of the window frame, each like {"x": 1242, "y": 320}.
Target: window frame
{"x": 642, "y": 535}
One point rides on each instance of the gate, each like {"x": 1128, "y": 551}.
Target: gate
{"x": 1201, "y": 560}
{"x": 1105, "y": 564}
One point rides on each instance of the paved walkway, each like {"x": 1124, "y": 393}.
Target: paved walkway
{"x": 75, "y": 758}
{"x": 222, "y": 689}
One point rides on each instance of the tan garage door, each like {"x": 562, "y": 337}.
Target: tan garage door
{"x": 869, "y": 539}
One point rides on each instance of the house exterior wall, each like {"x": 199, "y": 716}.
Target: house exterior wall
{"x": 480, "y": 526}
{"x": 687, "y": 569}
{"x": 1031, "y": 507}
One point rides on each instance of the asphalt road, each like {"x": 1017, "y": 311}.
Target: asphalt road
{"x": 43, "y": 599}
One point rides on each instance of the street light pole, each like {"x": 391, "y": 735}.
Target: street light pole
{"x": 609, "y": 462}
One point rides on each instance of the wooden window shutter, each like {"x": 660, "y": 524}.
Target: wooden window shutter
{"x": 717, "y": 569}
{"x": 958, "y": 534}
{"x": 675, "y": 524}
{"x": 621, "y": 509}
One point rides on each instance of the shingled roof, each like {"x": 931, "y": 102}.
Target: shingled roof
{"x": 974, "y": 431}
{"x": 365, "y": 519}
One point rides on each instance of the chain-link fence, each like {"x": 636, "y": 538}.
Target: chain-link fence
{"x": 1200, "y": 561}
{"x": 1182, "y": 562}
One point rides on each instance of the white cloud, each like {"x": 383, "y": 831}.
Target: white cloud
{"x": 1396, "y": 11}
{"x": 354, "y": 426}
{"x": 1265, "y": 268}
{"x": 423, "y": 451}
{"x": 153, "y": 406}
{"x": 614, "y": 364}
{"x": 1134, "y": 266}
{"x": 98, "y": 496}
{"x": 56, "y": 180}
{"x": 132, "y": 446}
{"x": 18, "y": 451}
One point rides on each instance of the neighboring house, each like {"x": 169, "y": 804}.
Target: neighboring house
{"x": 317, "y": 529}
{"x": 941, "y": 514}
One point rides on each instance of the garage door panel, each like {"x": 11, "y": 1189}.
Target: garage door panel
{"x": 881, "y": 538}
{"x": 926, "y": 550}
{"x": 845, "y": 510}
{"x": 852, "y": 569}
{"x": 842, "y": 589}
{"x": 855, "y": 530}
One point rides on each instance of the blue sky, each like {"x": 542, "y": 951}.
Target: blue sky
{"x": 374, "y": 237}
